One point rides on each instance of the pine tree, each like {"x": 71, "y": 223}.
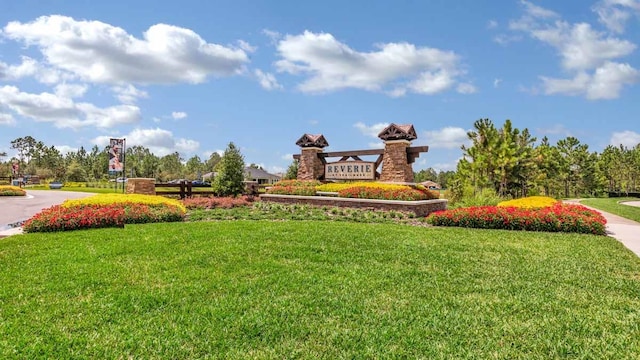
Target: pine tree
{"x": 230, "y": 173}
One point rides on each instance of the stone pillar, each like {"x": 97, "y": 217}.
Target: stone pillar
{"x": 146, "y": 186}
{"x": 395, "y": 165}
{"x": 310, "y": 166}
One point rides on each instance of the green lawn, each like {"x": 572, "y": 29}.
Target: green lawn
{"x": 612, "y": 205}
{"x": 316, "y": 289}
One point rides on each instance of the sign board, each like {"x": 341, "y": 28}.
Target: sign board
{"x": 350, "y": 170}
{"x": 116, "y": 153}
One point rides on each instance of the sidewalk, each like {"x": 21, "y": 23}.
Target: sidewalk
{"x": 624, "y": 230}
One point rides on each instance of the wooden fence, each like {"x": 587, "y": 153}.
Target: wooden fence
{"x": 186, "y": 189}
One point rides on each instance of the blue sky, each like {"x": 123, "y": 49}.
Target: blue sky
{"x": 191, "y": 76}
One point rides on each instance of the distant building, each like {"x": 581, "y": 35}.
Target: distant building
{"x": 260, "y": 176}
{"x": 431, "y": 185}
{"x": 251, "y": 174}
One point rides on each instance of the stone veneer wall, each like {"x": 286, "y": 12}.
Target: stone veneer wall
{"x": 310, "y": 167}
{"x": 394, "y": 162}
{"x": 144, "y": 186}
{"x": 419, "y": 208}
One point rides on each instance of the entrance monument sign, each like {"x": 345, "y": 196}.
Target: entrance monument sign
{"x": 350, "y": 170}
{"x": 396, "y": 158}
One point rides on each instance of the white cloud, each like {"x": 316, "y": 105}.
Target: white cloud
{"x": 447, "y": 138}
{"x": 466, "y": 89}
{"x": 586, "y": 54}
{"x": 275, "y": 169}
{"x": 581, "y": 47}
{"x": 288, "y": 157}
{"x": 177, "y": 115}
{"x": 537, "y": 11}
{"x": 274, "y": 36}
{"x": 161, "y": 142}
{"x": 606, "y": 82}
{"x": 98, "y": 52}
{"x": 492, "y": 24}
{"x": 7, "y": 119}
{"x": 28, "y": 67}
{"x": 372, "y": 130}
{"x": 626, "y": 138}
{"x": 129, "y": 94}
{"x": 496, "y": 82}
{"x": 614, "y": 14}
{"x": 452, "y": 166}
{"x": 65, "y": 149}
{"x": 246, "y": 46}
{"x": 376, "y": 145}
{"x": 267, "y": 80}
{"x": 63, "y": 111}
{"x": 504, "y": 39}
{"x": 70, "y": 91}
{"x": 432, "y": 83}
{"x": 394, "y": 68}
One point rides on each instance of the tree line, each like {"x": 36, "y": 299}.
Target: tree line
{"x": 47, "y": 162}
{"x": 510, "y": 162}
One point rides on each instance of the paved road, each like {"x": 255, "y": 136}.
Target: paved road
{"x": 19, "y": 208}
{"x": 631, "y": 203}
{"x": 624, "y": 230}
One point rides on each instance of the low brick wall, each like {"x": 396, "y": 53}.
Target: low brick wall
{"x": 146, "y": 186}
{"x": 420, "y": 208}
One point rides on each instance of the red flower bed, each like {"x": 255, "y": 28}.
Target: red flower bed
{"x": 59, "y": 218}
{"x": 557, "y": 218}
{"x": 407, "y": 194}
{"x": 217, "y": 202}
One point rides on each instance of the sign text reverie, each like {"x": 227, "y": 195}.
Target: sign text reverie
{"x": 350, "y": 170}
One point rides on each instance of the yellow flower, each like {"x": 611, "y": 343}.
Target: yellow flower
{"x": 107, "y": 199}
{"x": 531, "y": 202}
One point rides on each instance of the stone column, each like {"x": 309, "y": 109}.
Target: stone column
{"x": 310, "y": 166}
{"x": 146, "y": 186}
{"x": 395, "y": 166}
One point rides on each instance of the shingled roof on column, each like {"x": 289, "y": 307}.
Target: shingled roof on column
{"x": 398, "y": 132}
{"x": 311, "y": 140}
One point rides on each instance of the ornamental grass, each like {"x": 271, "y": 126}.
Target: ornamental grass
{"x": 556, "y": 218}
{"x": 9, "y": 190}
{"x": 106, "y": 210}
{"x": 531, "y": 202}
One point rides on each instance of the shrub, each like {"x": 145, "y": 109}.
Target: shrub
{"x": 9, "y": 190}
{"x": 556, "y": 218}
{"x": 531, "y": 202}
{"x": 217, "y": 202}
